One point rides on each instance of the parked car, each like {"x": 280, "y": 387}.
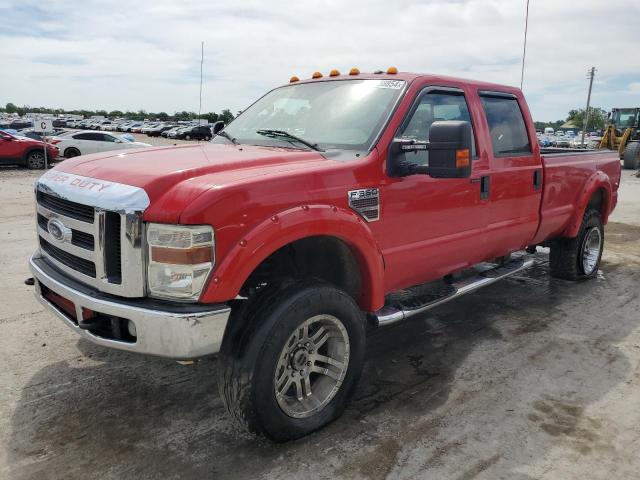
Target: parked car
{"x": 298, "y": 229}
{"x": 30, "y": 133}
{"x": 25, "y": 151}
{"x": 544, "y": 141}
{"x": 562, "y": 140}
{"x": 197, "y": 132}
{"x": 85, "y": 142}
{"x": 170, "y": 133}
{"x": 159, "y": 129}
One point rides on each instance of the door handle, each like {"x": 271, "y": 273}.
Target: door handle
{"x": 537, "y": 179}
{"x": 484, "y": 187}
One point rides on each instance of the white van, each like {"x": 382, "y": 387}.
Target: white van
{"x": 549, "y": 131}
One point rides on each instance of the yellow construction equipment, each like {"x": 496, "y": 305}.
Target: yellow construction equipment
{"x": 623, "y": 134}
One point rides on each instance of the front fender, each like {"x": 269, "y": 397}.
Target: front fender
{"x": 295, "y": 224}
{"x": 599, "y": 180}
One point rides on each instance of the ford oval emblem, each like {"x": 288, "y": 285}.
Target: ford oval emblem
{"x": 58, "y": 230}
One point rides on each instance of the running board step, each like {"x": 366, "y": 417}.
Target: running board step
{"x": 415, "y": 300}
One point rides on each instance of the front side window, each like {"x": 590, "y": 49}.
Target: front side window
{"x": 340, "y": 114}
{"x": 433, "y": 106}
{"x": 506, "y": 126}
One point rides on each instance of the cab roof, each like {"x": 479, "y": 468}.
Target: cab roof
{"x": 410, "y": 77}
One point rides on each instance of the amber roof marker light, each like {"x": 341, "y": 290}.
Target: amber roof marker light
{"x": 294, "y": 79}
{"x": 334, "y": 73}
{"x": 392, "y": 70}
{"x": 316, "y": 75}
{"x": 354, "y": 71}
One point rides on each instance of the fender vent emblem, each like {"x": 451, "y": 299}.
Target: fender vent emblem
{"x": 366, "y": 202}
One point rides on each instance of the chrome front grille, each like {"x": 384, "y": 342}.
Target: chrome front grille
{"x": 93, "y": 236}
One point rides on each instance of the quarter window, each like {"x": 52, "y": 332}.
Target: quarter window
{"x": 506, "y": 126}
{"x": 432, "y": 107}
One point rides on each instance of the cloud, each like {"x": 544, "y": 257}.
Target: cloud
{"x": 147, "y": 53}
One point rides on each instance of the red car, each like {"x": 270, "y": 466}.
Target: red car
{"x": 25, "y": 151}
{"x": 330, "y": 206}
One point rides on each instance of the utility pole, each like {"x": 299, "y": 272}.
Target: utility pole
{"x": 591, "y": 74}
{"x": 524, "y": 47}
{"x": 201, "y": 64}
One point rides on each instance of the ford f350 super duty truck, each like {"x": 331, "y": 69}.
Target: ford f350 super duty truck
{"x": 329, "y": 204}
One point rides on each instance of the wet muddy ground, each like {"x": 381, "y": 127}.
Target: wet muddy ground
{"x": 528, "y": 378}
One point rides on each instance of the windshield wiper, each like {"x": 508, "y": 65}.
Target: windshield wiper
{"x": 224, "y": 134}
{"x": 286, "y": 135}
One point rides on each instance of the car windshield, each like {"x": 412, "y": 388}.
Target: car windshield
{"x": 341, "y": 114}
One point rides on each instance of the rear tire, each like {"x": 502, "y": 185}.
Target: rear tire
{"x": 71, "y": 152}
{"x": 35, "y": 160}
{"x": 631, "y": 156}
{"x": 268, "y": 361}
{"x": 579, "y": 258}
{"x": 187, "y": 137}
{"x": 207, "y": 138}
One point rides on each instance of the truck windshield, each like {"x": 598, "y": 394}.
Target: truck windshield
{"x": 340, "y": 114}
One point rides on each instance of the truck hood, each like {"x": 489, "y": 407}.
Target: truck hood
{"x": 174, "y": 176}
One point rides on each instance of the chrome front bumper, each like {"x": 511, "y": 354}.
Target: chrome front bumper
{"x": 166, "y": 330}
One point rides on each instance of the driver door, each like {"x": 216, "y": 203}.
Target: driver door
{"x": 432, "y": 227}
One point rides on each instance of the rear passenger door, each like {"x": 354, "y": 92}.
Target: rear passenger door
{"x": 515, "y": 174}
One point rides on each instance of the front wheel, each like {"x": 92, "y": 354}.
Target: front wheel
{"x": 187, "y": 137}
{"x": 35, "y": 160}
{"x": 291, "y": 359}
{"x": 579, "y": 258}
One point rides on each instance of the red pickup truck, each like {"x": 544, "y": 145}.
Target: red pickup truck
{"x": 328, "y": 205}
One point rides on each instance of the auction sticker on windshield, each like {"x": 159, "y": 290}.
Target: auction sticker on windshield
{"x": 393, "y": 84}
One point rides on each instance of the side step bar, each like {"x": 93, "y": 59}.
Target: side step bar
{"x": 390, "y": 314}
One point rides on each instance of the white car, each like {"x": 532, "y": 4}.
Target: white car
{"x": 85, "y": 142}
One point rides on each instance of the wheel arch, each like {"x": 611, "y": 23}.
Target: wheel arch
{"x": 29, "y": 151}
{"x": 306, "y": 229}
{"x": 596, "y": 193}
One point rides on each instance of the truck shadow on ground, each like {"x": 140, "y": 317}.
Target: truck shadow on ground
{"x": 108, "y": 414}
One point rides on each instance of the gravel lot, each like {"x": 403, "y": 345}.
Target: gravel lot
{"x": 528, "y": 378}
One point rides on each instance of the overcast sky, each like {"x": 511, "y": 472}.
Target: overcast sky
{"x": 146, "y": 54}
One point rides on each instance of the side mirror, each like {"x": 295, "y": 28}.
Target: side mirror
{"x": 449, "y": 146}
{"x": 217, "y": 127}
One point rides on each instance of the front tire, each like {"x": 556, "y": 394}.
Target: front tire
{"x": 187, "y": 137}
{"x": 631, "y": 156}
{"x": 579, "y": 258}
{"x": 291, "y": 359}
{"x": 35, "y": 160}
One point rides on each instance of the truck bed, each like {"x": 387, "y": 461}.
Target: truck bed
{"x": 566, "y": 176}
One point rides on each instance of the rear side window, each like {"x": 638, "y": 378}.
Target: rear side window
{"x": 506, "y": 126}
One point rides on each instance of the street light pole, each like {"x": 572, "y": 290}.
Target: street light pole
{"x": 591, "y": 74}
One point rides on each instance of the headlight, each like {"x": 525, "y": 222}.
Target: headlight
{"x": 180, "y": 259}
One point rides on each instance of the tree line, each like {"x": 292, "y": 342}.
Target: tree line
{"x": 597, "y": 120}
{"x": 225, "y": 115}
